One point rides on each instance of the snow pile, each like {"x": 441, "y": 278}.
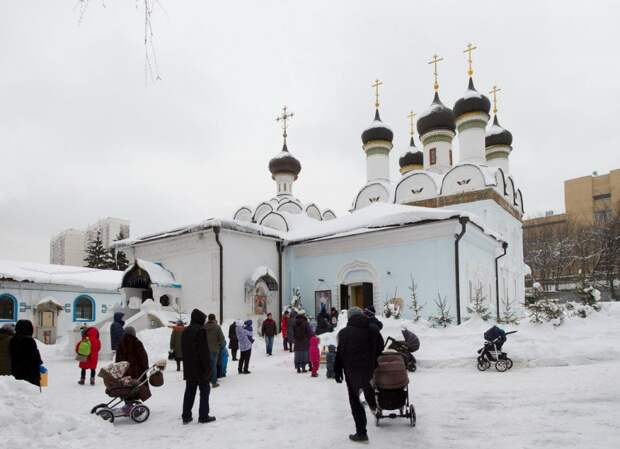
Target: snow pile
{"x": 29, "y": 419}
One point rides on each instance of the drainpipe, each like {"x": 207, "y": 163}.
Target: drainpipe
{"x": 504, "y": 247}
{"x": 463, "y": 221}
{"x": 216, "y": 230}
{"x": 280, "y": 248}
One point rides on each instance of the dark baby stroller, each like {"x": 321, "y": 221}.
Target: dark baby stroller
{"x": 407, "y": 347}
{"x": 494, "y": 339}
{"x": 124, "y": 391}
{"x": 391, "y": 385}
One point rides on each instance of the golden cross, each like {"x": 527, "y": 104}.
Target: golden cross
{"x": 436, "y": 59}
{"x": 411, "y": 116}
{"x": 468, "y": 50}
{"x": 283, "y": 118}
{"x": 494, "y": 92}
{"x": 376, "y": 85}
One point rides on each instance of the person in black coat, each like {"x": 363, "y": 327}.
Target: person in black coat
{"x": 359, "y": 345}
{"x": 233, "y": 343}
{"x": 196, "y": 368}
{"x": 116, "y": 330}
{"x": 25, "y": 358}
{"x": 302, "y": 333}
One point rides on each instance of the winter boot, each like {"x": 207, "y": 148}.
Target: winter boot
{"x": 298, "y": 370}
{"x": 92, "y": 381}
{"x": 206, "y": 420}
{"x": 81, "y": 381}
{"x": 359, "y": 438}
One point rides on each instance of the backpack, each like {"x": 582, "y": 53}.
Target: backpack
{"x": 84, "y": 347}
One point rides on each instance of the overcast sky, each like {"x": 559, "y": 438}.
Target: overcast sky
{"x": 82, "y": 137}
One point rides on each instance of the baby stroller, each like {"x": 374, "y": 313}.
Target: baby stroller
{"x": 391, "y": 387}
{"x": 406, "y": 348}
{"x": 124, "y": 389}
{"x": 494, "y": 338}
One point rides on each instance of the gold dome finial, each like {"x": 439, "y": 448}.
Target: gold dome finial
{"x": 411, "y": 116}
{"x": 470, "y": 48}
{"x": 283, "y": 118}
{"x": 436, "y": 59}
{"x": 494, "y": 92}
{"x": 376, "y": 85}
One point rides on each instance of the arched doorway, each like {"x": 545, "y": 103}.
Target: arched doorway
{"x": 358, "y": 285}
{"x": 8, "y": 308}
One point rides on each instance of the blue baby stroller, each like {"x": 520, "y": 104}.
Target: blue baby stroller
{"x": 494, "y": 339}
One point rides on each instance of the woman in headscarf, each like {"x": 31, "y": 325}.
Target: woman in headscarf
{"x": 131, "y": 350}
{"x": 25, "y": 358}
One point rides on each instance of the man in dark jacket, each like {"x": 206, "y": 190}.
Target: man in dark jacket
{"x": 233, "y": 343}
{"x": 196, "y": 368}
{"x": 269, "y": 329}
{"x": 25, "y": 358}
{"x": 215, "y": 339}
{"x": 359, "y": 345}
{"x": 116, "y": 330}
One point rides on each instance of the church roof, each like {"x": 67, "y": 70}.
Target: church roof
{"x": 472, "y": 101}
{"x": 497, "y": 135}
{"x": 377, "y": 131}
{"x": 285, "y": 162}
{"x": 436, "y": 117}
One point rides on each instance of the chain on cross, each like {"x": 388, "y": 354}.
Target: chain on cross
{"x": 436, "y": 59}
{"x": 284, "y": 118}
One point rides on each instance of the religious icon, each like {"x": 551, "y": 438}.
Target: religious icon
{"x": 322, "y": 300}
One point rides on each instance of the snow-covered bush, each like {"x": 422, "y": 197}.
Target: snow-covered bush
{"x": 547, "y": 309}
{"x": 392, "y": 308}
{"x": 508, "y": 314}
{"x": 478, "y": 305}
{"x": 415, "y": 306}
{"x": 442, "y": 317}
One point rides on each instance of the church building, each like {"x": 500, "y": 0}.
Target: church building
{"x": 444, "y": 229}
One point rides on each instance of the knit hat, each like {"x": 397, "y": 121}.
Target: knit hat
{"x": 354, "y": 311}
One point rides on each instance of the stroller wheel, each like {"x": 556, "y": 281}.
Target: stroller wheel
{"x": 106, "y": 414}
{"x": 96, "y": 408}
{"x": 139, "y": 413}
{"x": 509, "y": 362}
{"x": 411, "y": 367}
{"x": 501, "y": 365}
{"x": 412, "y": 417}
{"x": 483, "y": 364}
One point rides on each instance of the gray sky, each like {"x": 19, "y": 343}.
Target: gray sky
{"x": 82, "y": 137}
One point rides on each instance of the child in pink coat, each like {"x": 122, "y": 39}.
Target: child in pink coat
{"x": 315, "y": 355}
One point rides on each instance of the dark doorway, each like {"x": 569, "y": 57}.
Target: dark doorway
{"x": 367, "y": 292}
{"x": 344, "y": 296}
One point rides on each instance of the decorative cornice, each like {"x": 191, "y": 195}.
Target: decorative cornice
{"x": 462, "y": 126}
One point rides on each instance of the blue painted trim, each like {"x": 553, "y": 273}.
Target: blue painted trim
{"x": 14, "y": 301}
{"x": 93, "y": 304}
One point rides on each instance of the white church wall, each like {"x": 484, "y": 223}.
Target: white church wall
{"x": 386, "y": 258}
{"x": 462, "y": 178}
{"x": 243, "y": 254}
{"x": 415, "y": 187}
{"x": 372, "y": 193}
{"x": 28, "y": 296}
{"x": 194, "y": 261}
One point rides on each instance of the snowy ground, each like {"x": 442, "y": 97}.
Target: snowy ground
{"x": 562, "y": 392}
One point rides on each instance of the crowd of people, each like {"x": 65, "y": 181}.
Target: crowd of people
{"x": 200, "y": 350}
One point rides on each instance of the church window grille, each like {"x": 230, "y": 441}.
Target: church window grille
{"x": 433, "y": 156}
{"x": 84, "y": 308}
{"x": 8, "y": 308}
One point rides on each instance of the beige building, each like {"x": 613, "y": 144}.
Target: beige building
{"x": 67, "y": 248}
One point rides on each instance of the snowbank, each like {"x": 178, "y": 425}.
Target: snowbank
{"x": 29, "y": 419}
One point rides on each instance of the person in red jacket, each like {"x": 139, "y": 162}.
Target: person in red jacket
{"x": 284, "y": 328}
{"x": 315, "y": 355}
{"x": 92, "y": 334}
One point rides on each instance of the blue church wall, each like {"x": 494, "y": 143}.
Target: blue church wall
{"x": 388, "y": 259}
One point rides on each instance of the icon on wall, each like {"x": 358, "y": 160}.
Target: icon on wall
{"x": 322, "y": 299}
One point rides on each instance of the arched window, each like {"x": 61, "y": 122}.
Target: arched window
{"x": 8, "y": 307}
{"x": 164, "y": 301}
{"x": 84, "y": 308}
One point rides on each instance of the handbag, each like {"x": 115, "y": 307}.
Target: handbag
{"x": 81, "y": 358}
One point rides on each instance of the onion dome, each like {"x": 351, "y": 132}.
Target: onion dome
{"x": 496, "y": 135}
{"x": 377, "y": 131}
{"x": 411, "y": 157}
{"x": 472, "y": 101}
{"x": 436, "y": 117}
{"x": 284, "y": 162}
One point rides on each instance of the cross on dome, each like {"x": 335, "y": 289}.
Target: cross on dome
{"x": 470, "y": 48}
{"x": 283, "y": 118}
{"x": 436, "y": 60}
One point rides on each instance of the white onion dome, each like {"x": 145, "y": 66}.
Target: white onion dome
{"x": 377, "y": 131}
{"x": 472, "y": 101}
{"x": 436, "y": 117}
{"x": 497, "y": 135}
{"x": 284, "y": 162}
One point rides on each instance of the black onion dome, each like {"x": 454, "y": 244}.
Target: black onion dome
{"x": 436, "y": 117}
{"x": 411, "y": 158}
{"x": 285, "y": 162}
{"x": 496, "y": 135}
{"x": 472, "y": 101}
{"x": 377, "y": 131}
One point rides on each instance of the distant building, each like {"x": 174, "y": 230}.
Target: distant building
{"x": 69, "y": 246}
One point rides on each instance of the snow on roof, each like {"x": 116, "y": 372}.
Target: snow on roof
{"x": 262, "y": 271}
{"x": 469, "y": 93}
{"x": 49, "y": 300}
{"x": 158, "y": 274}
{"x": 60, "y": 275}
{"x": 494, "y": 129}
{"x": 377, "y": 124}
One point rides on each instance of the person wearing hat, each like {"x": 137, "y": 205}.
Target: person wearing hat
{"x": 196, "y": 368}
{"x": 6, "y": 334}
{"x": 359, "y": 345}
{"x": 25, "y": 357}
{"x": 131, "y": 350}
{"x": 302, "y": 333}
{"x": 215, "y": 338}
{"x": 175, "y": 342}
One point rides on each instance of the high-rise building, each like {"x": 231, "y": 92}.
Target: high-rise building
{"x": 67, "y": 248}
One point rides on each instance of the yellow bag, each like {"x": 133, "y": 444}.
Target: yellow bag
{"x": 43, "y": 381}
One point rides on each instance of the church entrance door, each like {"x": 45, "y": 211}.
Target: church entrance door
{"x": 357, "y": 295}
